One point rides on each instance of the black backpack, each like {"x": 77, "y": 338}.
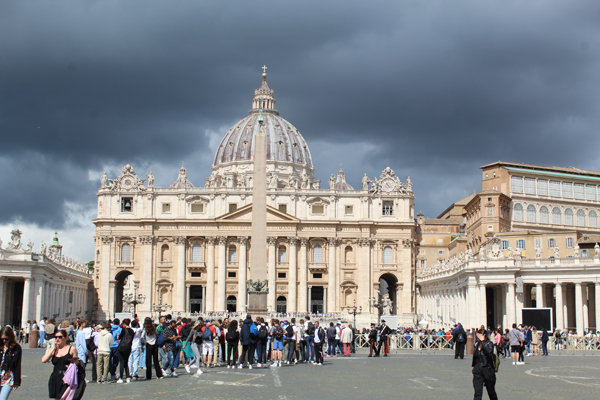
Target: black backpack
{"x": 278, "y": 333}
{"x": 460, "y": 338}
{"x": 90, "y": 345}
{"x": 185, "y": 331}
{"x": 230, "y": 334}
{"x": 199, "y": 338}
{"x": 81, "y": 384}
{"x": 126, "y": 341}
{"x": 263, "y": 333}
{"x": 289, "y": 331}
{"x": 310, "y": 330}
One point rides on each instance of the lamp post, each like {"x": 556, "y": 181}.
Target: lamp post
{"x": 354, "y": 312}
{"x": 160, "y": 308}
{"x": 134, "y": 299}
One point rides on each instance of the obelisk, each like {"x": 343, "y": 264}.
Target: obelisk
{"x": 257, "y": 282}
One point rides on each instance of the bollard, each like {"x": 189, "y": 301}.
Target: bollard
{"x": 470, "y": 345}
{"x": 34, "y": 338}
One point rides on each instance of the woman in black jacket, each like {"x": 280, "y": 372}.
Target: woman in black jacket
{"x": 10, "y": 363}
{"x": 232, "y": 337}
{"x": 483, "y": 366}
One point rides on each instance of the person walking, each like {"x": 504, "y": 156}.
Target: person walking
{"x": 60, "y": 355}
{"x": 170, "y": 337}
{"x": 105, "y": 341}
{"x": 149, "y": 337}
{"x": 544, "y": 342}
{"x": 194, "y": 340}
{"x": 346, "y": 338}
{"x": 42, "y": 332}
{"x": 10, "y": 363}
{"x": 483, "y": 366}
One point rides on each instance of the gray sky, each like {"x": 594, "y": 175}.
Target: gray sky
{"x": 433, "y": 89}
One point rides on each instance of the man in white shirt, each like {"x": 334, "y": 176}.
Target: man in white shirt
{"x": 42, "y": 332}
{"x": 319, "y": 339}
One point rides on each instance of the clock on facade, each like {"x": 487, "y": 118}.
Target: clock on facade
{"x": 387, "y": 185}
{"x": 127, "y": 182}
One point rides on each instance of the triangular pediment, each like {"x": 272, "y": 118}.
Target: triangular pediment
{"x": 244, "y": 214}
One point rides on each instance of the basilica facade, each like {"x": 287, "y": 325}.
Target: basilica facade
{"x": 330, "y": 246}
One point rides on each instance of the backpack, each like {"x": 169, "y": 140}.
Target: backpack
{"x": 495, "y": 359}
{"x": 289, "y": 331}
{"x": 126, "y": 342}
{"x": 90, "y": 345}
{"x": 278, "y": 333}
{"x": 460, "y": 338}
{"x": 160, "y": 339}
{"x": 230, "y": 334}
{"x": 81, "y": 384}
{"x": 207, "y": 334}
{"x": 185, "y": 331}
{"x": 310, "y": 330}
{"x": 263, "y": 333}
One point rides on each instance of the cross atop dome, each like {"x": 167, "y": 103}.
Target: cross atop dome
{"x": 263, "y": 97}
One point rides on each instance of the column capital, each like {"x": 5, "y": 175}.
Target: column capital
{"x": 210, "y": 240}
{"x": 180, "y": 240}
{"x": 293, "y": 240}
{"x": 222, "y": 240}
{"x": 304, "y": 241}
{"x": 106, "y": 239}
{"x": 271, "y": 240}
{"x": 332, "y": 241}
{"x": 148, "y": 239}
{"x": 243, "y": 240}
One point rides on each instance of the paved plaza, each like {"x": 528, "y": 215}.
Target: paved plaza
{"x": 401, "y": 375}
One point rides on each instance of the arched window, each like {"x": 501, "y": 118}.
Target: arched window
{"x": 232, "y": 256}
{"x": 281, "y": 256}
{"x": 556, "y": 219}
{"x": 231, "y": 304}
{"x": 164, "y": 253}
{"x": 531, "y": 213}
{"x": 568, "y": 216}
{"x": 544, "y": 215}
{"x": 126, "y": 252}
{"x": 580, "y": 218}
{"x": 281, "y": 304}
{"x": 593, "y": 219}
{"x": 317, "y": 254}
{"x": 388, "y": 255}
{"x": 518, "y": 212}
{"x": 348, "y": 255}
{"x": 196, "y": 253}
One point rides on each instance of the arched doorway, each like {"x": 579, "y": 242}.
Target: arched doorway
{"x": 387, "y": 287}
{"x": 231, "y": 304}
{"x": 281, "y": 304}
{"x": 124, "y": 285}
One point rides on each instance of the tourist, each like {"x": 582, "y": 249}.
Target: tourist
{"x": 246, "y": 343}
{"x": 194, "y": 341}
{"x": 318, "y": 343}
{"x": 105, "y": 341}
{"x": 136, "y": 347}
{"x": 346, "y": 339}
{"x": 300, "y": 342}
{"x": 261, "y": 343}
{"x": 27, "y": 329}
{"x": 160, "y": 340}
{"x": 115, "y": 331}
{"x": 149, "y": 337}
{"x": 331, "y": 334}
{"x": 50, "y": 330}
{"x": 544, "y": 342}
{"x": 10, "y": 363}
{"x": 170, "y": 337}
{"x": 42, "y": 332}
{"x": 516, "y": 343}
{"x": 309, "y": 337}
{"x": 460, "y": 339}
{"x": 506, "y": 343}
{"x": 125, "y": 347}
{"x": 233, "y": 337}
{"x": 217, "y": 328}
{"x": 186, "y": 347}
{"x": 80, "y": 343}
{"x": 528, "y": 339}
{"x": 60, "y": 355}
{"x": 277, "y": 344}
{"x": 208, "y": 345}
{"x": 535, "y": 341}
{"x": 291, "y": 333}
{"x": 483, "y": 366}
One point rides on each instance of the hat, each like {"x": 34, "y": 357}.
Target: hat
{"x": 383, "y": 320}
{"x": 338, "y": 323}
{"x": 372, "y": 323}
{"x": 99, "y": 326}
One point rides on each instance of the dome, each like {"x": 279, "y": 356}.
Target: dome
{"x": 182, "y": 180}
{"x": 340, "y": 183}
{"x": 285, "y": 144}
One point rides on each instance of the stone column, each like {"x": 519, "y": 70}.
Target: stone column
{"x": 39, "y": 299}
{"x": 303, "y": 286}
{"x": 105, "y": 278}
{"x": 243, "y": 274}
{"x": 203, "y": 308}
{"x": 210, "y": 274}
{"x": 222, "y": 251}
{"x": 325, "y": 301}
{"x": 309, "y": 298}
{"x": 332, "y": 271}
{"x": 597, "y": 301}
{"x": 560, "y": 321}
{"x": 179, "y": 299}
{"x": 272, "y": 274}
{"x": 482, "y": 306}
{"x": 147, "y": 281}
{"x": 364, "y": 284}
{"x": 539, "y": 295}
{"x": 292, "y": 307}
{"x": 585, "y": 308}
{"x": 579, "y": 308}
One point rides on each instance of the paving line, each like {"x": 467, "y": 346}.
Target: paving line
{"x": 276, "y": 377}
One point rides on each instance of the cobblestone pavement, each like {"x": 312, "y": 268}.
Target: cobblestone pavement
{"x": 401, "y": 375}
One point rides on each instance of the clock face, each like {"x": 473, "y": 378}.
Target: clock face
{"x": 127, "y": 182}
{"x": 387, "y": 185}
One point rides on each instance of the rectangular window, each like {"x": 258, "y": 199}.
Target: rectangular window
{"x": 232, "y": 207}
{"x": 388, "y": 208}
{"x": 521, "y": 244}
{"x": 196, "y": 274}
{"x": 283, "y": 208}
{"x": 126, "y": 204}
{"x": 232, "y": 256}
{"x": 585, "y": 253}
{"x": 440, "y": 252}
{"x": 422, "y": 263}
{"x": 590, "y": 192}
{"x": 516, "y": 184}
{"x": 231, "y": 274}
{"x": 70, "y": 296}
{"x": 490, "y": 227}
{"x": 542, "y": 187}
{"x": 166, "y": 207}
{"x": 281, "y": 256}
{"x": 349, "y": 210}
{"x": 318, "y": 209}
{"x": 505, "y": 245}
{"x": 317, "y": 276}
{"x": 570, "y": 243}
{"x": 197, "y": 208}
{"x": 555, "y": 188}
{"x": 529, "y": 185}
{"x": 567, "y": 190}
{"x": 538, "y": 243}
{"x": 281, "y": 275}
{"x": 440, "y": 240}
{"x": 551, "y": 243}
{"x": 579, "y": 191}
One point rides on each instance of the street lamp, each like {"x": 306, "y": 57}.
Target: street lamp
{"x": 160, "y": 308}
{"x": 378, "y": 304}
{"x": 354, "y": 312}
{"x": 133, "y": 299}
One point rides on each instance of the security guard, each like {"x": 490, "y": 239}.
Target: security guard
{"x": 373, "y": 341}
{"x": 383, "y": 336}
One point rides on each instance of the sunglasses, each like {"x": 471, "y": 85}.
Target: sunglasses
{"x": 59, "y": 337}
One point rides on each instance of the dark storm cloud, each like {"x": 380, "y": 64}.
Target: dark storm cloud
{"x": 433, "y": 89}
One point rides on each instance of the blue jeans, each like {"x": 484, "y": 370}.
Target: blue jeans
{"x": 168, "y": 361}
{"x": 261, "y": 352}
{"x": 114, "y": 361}
{"x": 176, "y": 354}
{"x": 331, "y": 345}
{"x": 143, "y": 357}
{"x": 5, "y": 392}
{"x": 310, "y": 348}
{"x": 134, "y": 361}
{"x": 42, "y": 338}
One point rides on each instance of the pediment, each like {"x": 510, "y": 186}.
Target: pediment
{"x": 244, "y": 214}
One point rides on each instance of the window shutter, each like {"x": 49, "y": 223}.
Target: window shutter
{"x": 516, "y": 184}
{"x": 317, "y": 254}
{"x": 125, "y": 252}
{"x": 196, "y": 253}
{"x": 388, "y": 255}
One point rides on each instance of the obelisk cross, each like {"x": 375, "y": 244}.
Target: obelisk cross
{"x": 264, "y": 68}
